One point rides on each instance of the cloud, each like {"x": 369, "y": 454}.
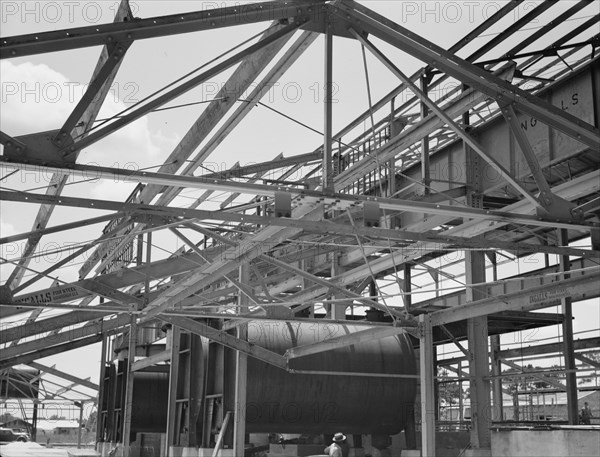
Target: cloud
{"x": 36, "y": 98}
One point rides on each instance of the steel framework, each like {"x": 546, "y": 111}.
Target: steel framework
{"x": 497, "y": 164}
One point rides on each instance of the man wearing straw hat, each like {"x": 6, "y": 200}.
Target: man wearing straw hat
{"x": 335, "y": 448}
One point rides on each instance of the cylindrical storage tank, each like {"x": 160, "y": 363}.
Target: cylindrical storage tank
{"x": 150, "y": 402}
{"x": 282, "y": 402}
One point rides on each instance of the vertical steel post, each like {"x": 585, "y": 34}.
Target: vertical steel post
{"x": 328, "y": 129}
{"x": 497, "y": 382}
{"x": 34, "y": 420}
{"x": 407, "y": 287}
{"x": 101, "y": 390}
{"x": 148, "y": 262}
{"x": 567, "y": 327}
{"x": 174, "y": 341}
{"x": 477, "y": 328}
{"x": 425, "y": 170}
{"x": 495, "y": 355}
{"x": 337, "y": 310}
{"x": 241, "y": 370}
{"x": 79, "y": 428}
{"x": 427, "y": 387}
{"x": 129, "y": 386}
{"x": 461, "y": 414}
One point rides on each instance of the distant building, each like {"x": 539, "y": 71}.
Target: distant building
{"x": 536, "y": 406}
{"x": 57, "y": 427}
{"x": 550, "y": 406}
{"x": 17, "y": 424}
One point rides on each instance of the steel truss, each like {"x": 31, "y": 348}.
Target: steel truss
{"x": 360, "y": 208}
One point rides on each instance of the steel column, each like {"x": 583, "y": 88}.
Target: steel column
{"x": 477, "y": 328}
{"x": 567, "y": 328}
{"x": 133, "y": 331}
{"x": 241, "y": 371}
{"x": 425, "y": 172}
{"x": 328, "y": 107}
{"x": 428, "y": 405}
{"x": 174, "y": 338}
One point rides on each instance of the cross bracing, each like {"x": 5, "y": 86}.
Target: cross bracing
{"x": 388, "y": 190}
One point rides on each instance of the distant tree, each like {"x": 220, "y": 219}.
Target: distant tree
{"x": 91, "y": 422}
{"x": 6, "y": 417}
{"x": 450, "y": 392}
{"x": 56, "y": 417}
{"x": 595, "y": 356}
{"x": 533, "y": 382}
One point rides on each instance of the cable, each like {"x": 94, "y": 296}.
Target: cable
{"x": 129, "y": 108}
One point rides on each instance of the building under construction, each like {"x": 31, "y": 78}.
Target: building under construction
{"x": 413, "y": 264}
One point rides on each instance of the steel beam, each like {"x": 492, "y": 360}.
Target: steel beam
{"x": 227, "y": 340}
{"x": 567, "y": 334}
{"x": 339, "y": 200}
{"x": 446, "y": 118}
{"x": 349, "y": 339}
{"x": 60, "y": 228}
{"x": 174, "y": 353}
{"x": 97, "y": 35}
{"x": 102, "y": 80}
{"x": 61, "y": 374}
{"x": 128, "y": 403}
{"x": 48, "y": 351}
{"x": 327, "y": 164}
{"x": 181, "y": 89}
{"x": 468, "y": 73}
{"x": 510, "y": 284}
{"x": 525, "y": 300}
{"x": 240, "y": 81}
{"x": 35, "y": 346}
{"x": 428, "y": 406}
{"x": 151, "y": 360}
{"x": 533, "y": 350}
{"x": 541, "y": 377}
{"x": 248, "y": 249}
{"x": 241, "y": 372}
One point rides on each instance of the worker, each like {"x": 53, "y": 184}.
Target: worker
{"x": 336, "y": 449}
{"x": 585, "y": 415}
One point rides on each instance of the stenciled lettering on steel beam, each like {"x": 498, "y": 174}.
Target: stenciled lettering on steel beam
{"x": 468, "y": 73}
{"x": 524, "y": 300}
{"x": 102, "y": 79}
{"x": 447, "y": 119}
{"x": 235, "y": 86}
{"x": 551, "y": 204}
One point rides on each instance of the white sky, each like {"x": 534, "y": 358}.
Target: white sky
{"x": 38, "y": 93}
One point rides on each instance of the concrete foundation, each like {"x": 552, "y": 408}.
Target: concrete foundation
{"x": 557, "y": 441}
{"x": 447, "y": 444}
{"x": 478, "y": 453}
{"x": 295, "y": 450}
